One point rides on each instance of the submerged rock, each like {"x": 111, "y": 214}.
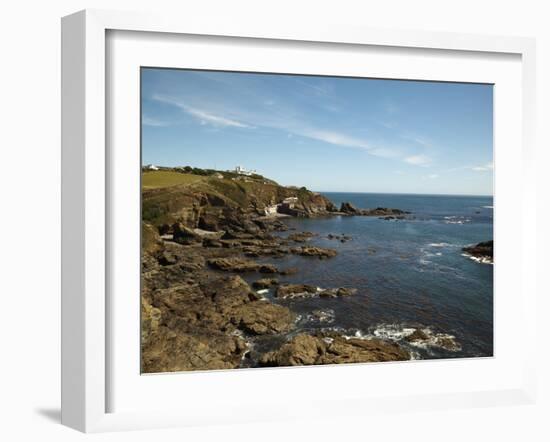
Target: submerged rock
{"x": 301, "y": 236}
{"x": 341, "y": 238}
{"x": 298, "y": 291}
{"x": 338, "y": 292}
{"x": 321, "y": 316}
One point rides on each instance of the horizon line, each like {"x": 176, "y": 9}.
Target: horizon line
{"x": 404, "y": 193}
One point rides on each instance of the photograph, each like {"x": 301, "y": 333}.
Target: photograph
{"x": 298, "y": 220}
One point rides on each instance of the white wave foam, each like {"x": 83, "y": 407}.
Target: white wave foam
{"x": 427, "y": 339}
{"x": 480, "y": 260}
{"x": 322, "y": 316}
{"x": 456, "y": 219}
{"x": 393, "y": 332}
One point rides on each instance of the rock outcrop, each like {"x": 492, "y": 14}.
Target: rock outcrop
{"x": 347, "y": 208}
{"x": 240, "y": 265}
{"x": 482, "y": 250}
{"x": 301, "y": 291}
{"x": 305, "y": 349}
{"x": 317, "y": 252}
{"x": 204, "y": 326}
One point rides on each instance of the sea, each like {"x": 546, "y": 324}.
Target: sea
{"x": 410, "y": 274}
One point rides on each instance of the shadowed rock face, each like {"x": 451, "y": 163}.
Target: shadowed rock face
{"x": 240, "y": 265}
{"x": 305, "y": 349}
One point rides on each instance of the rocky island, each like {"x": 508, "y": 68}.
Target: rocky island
{"x": 202, "y": 232}
{"x": 481, "y": 252}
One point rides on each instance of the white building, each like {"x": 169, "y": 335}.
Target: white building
{"x": 240, "y": 170}
{"x": 151, "y": 167}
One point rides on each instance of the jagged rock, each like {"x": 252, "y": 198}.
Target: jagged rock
{"x": 240, "y": 265}
{"x": 417, "y": 335}
{"x": 481, "y": 250}
{"x": 428, "y": 338}
{"x": 301, "y": 236}
{"x": 260, "y": 318}
{"x": 318, "y": 252}
{"x": 301, "y": 350}
{"x": 168, "y": 351}
{"x": 151, "y": 242}
{"x": 297, "y": 291}
{"x": 265, "y": 283}
{"x": 338, "y": 292}
{"x": 385, "y": 211}
{"x": 341, "y": 238}
{"x": 322, "y": 316}
{"x": 291, "y": 291}
{"x": 350, "y": 209}
{"x": 200, "y": 326}
{"x": 305, "y": 349}
{"x": 150, "y": 320}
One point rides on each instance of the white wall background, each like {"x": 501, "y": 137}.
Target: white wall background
{"x": 30, "y": 215}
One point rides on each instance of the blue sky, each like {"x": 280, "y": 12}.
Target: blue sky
{"x": 325, "y": 133}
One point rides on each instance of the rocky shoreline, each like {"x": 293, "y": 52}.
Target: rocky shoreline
{"x": 197, "y": 310}
{"x": 198, "y": 313}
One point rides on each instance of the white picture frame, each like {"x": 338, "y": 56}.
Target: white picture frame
{"x": 86, "y": 356}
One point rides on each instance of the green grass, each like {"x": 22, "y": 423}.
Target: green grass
{"x": 165, "y": 178}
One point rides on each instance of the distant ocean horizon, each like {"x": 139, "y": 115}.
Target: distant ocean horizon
{"x": 323, "y": 192}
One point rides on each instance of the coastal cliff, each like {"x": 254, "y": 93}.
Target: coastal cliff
{"x": 201, "y": 234}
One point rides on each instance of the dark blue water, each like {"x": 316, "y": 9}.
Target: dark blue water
{"x": 409, "y": 273}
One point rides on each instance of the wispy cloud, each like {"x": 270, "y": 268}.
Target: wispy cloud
{"x": 318, "y": 88}
{"x": 148, "y": 121}
{"x": 484, "y": 168}
{"x": 274, "y": 113}
{"x": 390, "y": 107}
{"x": 418, "y": 160}
{"x": 203, "y": 116}
{"x": 335, "y": 138}
{"x": 417, "y": 139}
